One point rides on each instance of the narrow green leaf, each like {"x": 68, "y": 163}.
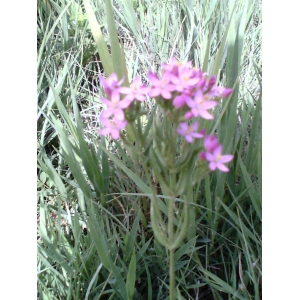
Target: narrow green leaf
{"x": 116, "y": 54}
{"x": 144, "y": 188}
{"x": 70, "y": 158}
{"x": 50, "y": 170}
{"x": 217, "y": 63}
{"x": 238, "y": 222}
{"x": 62, "y": 109}
{"x": 208, "y": 198}
{"x": 92, "y": 281}
{"x": 88, "y": 156}
{"x": 254, "y": 195}
{"x": 131, "y": 237}
{"x": 185, "y": 249}
{"x": 223, "y": 286}
{"x": 51, "y": 31}
{"x": 131, "y": 277}
{"x": 100, "y": 242}
{"x": 105, "y": 57}
{"x": 105, "y": 167}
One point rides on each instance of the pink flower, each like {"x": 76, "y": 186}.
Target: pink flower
{"x": 111, "y": 83}
{"x": 222, "y": 92}
{"x": 162, "y": 87}
{"x": 136, "y": 91}
{"x": 112, "y": 127}
{"x": 201, "y": 104}
{"x": 189, "y": 132}
{"x": 174, "y": 66}
{"x": 217, "y": 92}
{"x": 115, "y": 106}
{"x": 217, "y": 160}
{"x": 184, "y": 80}
{"x": 210, "y": 143}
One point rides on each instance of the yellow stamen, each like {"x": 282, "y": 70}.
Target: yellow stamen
{"x": 189, "y": 129}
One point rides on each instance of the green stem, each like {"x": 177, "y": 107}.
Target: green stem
{"x": 171, "y": 220}
{"x": 171, "y": 249}
{"x": 172, "y": 275}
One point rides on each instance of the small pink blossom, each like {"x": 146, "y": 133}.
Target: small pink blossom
{"x": 111, "y": 83}
{"x": 111, "y": 127}
{"x": 201, "y": 104}
{"x": 184, "y": 80}
{"x": 210, "y": 143}
{"x": 136, "y": 91}
{"x": 175, "y": 66}
{"x": 217, "y": 160}
{"x": 115, "y": 106}
{"x": 162, "y": 87}
{"x": 217, "y": 91}
{"x": 189, "y": 132}
{"x": 222, "y": 92}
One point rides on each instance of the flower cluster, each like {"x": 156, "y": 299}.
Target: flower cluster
{"x": 188, "y": 87}
{"x": 213, "y": 154}
{"x": 182, "y": 89}
{"x": 194, "y": 93}
{"x": 113, "y": 118}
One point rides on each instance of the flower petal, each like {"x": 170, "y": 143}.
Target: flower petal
{"x": 105, "y": 101}
{"x": 199, "y": 94}
{"x": 105, "y": 115}
{"x": 204, "y": 114}
{"x": 119, "y": 114}
{"x": 212, "y": 165}
{"x": 209, "y": 156}
{"x": 153, "y": 78}
{"x": 115, "y": 96}
{"x": 124, "y": 90}
{"x": 222, "y": 167}
{"x": 121, "y": 124}
{"x": 154, "y": 92}
{"x": 115, "y": 134}
{"x": 208, "y": 104}
{"x": 125, "y": 103}
{"x": 104, "y": 131}
{"x": 198, "y": 135}
{"x": 195, "y": 125}
{"x": 210, "y": 143}
{"x": 184, "y": 126}
{"x": 189, "y": 138}
{"x": 218, "y": 150}
{"x": 139, "y": 97}
{"x": 166, "y": 94}
{"x": 226, "y": 158}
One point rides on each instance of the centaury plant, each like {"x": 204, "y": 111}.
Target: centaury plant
{"x": 184, "y": 95}
{"x": 149, "y": 149}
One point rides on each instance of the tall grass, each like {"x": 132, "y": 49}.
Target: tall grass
{"x": 94, "y": 235}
